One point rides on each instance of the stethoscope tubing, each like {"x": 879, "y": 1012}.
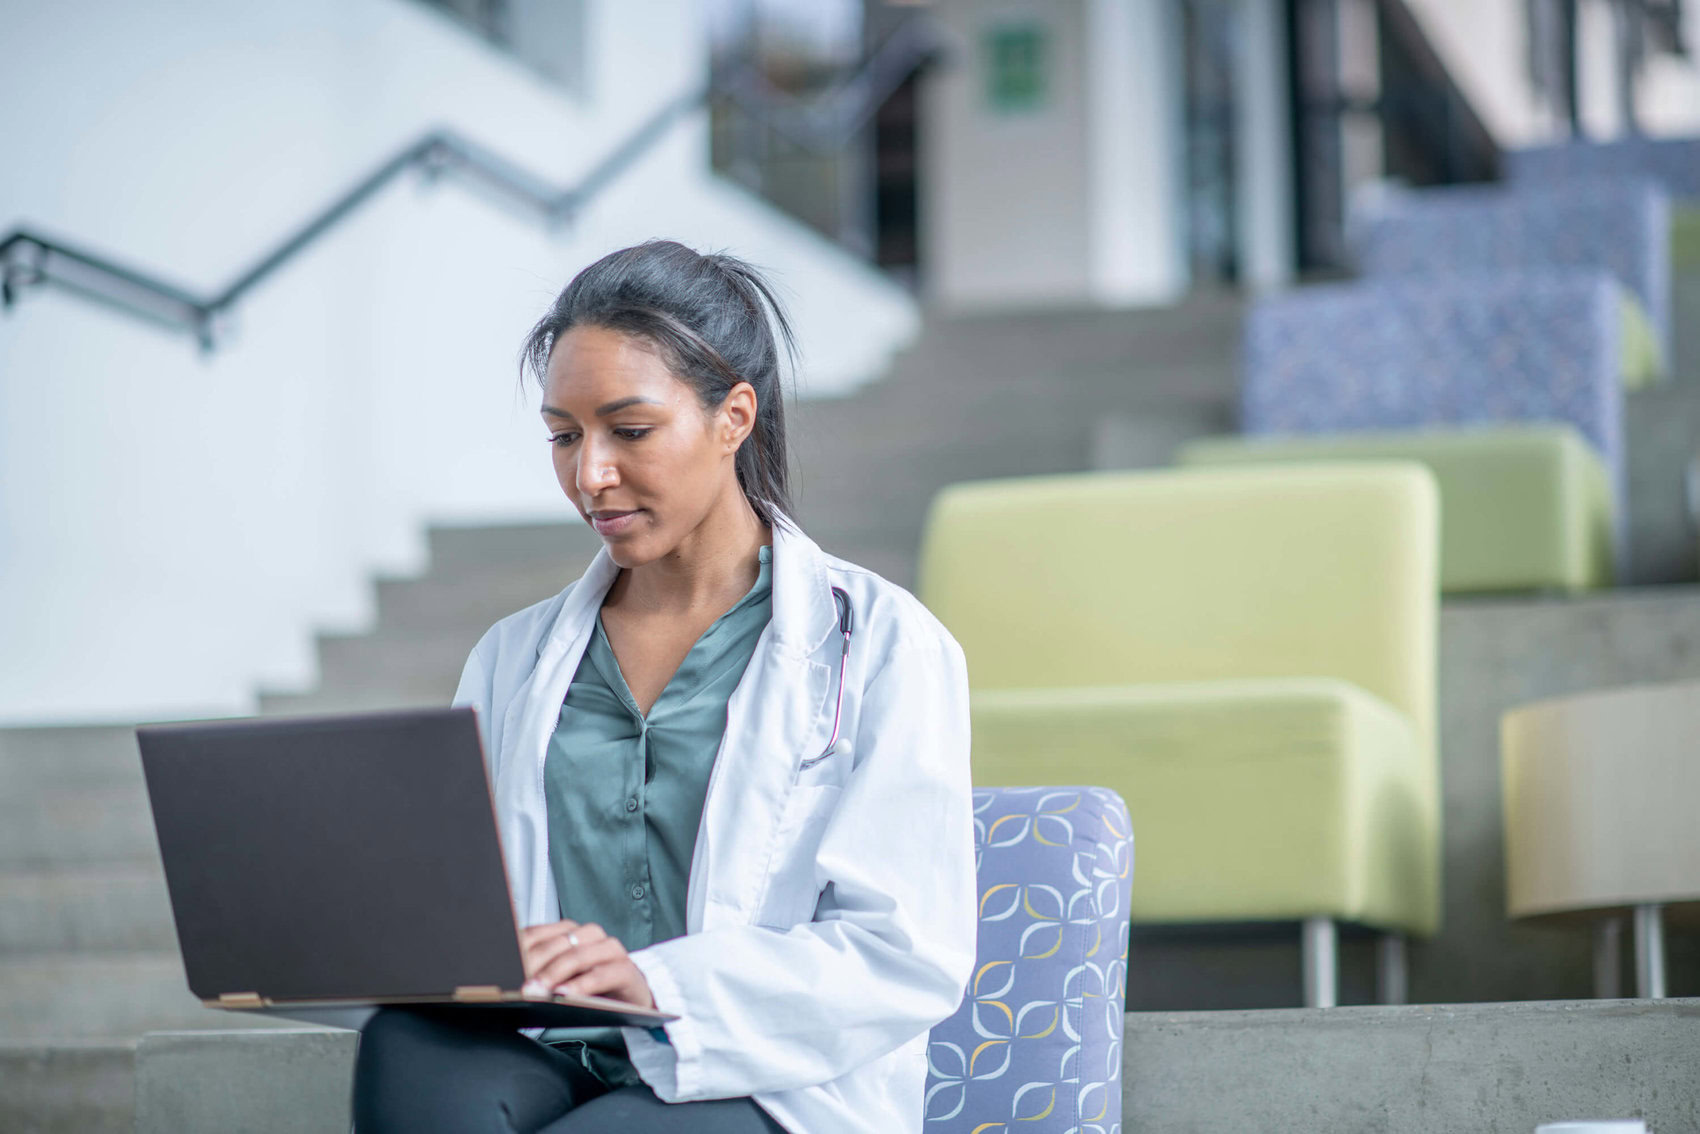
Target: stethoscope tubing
{"x": 846, "y": 625}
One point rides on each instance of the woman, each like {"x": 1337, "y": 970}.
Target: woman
{"x": 731, "y": 771}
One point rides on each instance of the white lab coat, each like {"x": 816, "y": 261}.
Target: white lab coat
{"x": 830, "y": 911}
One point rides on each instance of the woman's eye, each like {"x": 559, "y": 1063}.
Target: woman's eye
{"x": 631, "y": 434}
{"x": 562, "y": 438}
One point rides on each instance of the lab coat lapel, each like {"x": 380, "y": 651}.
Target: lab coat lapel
{"x": 776, "y": 718}
{"x": 530, "y": 722}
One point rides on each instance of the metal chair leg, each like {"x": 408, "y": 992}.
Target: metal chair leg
{"x": 1650, "y": 952}
{"x": 1392, "y": 974}
{"x": 1319, "y": 950}
{"x": 1608, "y": 958}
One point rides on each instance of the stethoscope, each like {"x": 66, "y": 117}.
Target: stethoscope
{"x": 846, "y": 621}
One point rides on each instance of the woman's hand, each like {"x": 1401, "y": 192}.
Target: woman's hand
{"x": 581, "y": 960}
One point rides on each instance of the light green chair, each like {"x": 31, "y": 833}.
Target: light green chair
{"x": 1523, "y": 508}
{"x": 1246, "y": 655}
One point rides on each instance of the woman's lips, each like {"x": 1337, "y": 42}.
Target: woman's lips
{"x": 612, "y": 523}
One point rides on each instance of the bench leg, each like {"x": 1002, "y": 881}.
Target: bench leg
{"x": 1392, "y": 973}
{"x": 1650, "y": 952}
{"x": 1608, "y": 958}
{"x": 1319, "y": 951}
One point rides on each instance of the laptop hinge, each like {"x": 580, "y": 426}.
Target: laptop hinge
{"x": 241, "y": 1000}
{"x": 478, "y": 993}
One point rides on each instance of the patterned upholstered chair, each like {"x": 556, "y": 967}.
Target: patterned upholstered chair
{"x": 1617, "y": 225}
{"x": 1379, "y": 362}
{"x": 1675, "y": 162}
{"x": 1481, "y": 350}
{"x": 1036, "y": 1045}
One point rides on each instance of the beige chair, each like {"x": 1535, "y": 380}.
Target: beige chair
{"x": 1601, "y": 795}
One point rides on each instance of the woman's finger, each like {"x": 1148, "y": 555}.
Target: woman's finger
{"x": 548, "y": 928}
{"x": 577, "y": 960}
{"x": 547, "y": 947}
{"x": 533, "y": 935}
{"x": 600, "y": 980}
{"x": 621, "y": 980}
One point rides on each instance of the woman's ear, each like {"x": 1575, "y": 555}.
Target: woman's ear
{"x": 737, "y": 416}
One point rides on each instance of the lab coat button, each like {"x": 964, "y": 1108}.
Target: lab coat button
{"x": 637, "y": 893}
{"x": 632, "y": 804}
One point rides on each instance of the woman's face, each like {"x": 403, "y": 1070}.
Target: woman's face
{"x": 634, "y": 449}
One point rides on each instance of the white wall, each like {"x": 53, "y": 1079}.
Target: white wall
{"x": 172, "y": 527}
{"x": 1076, "y": 202}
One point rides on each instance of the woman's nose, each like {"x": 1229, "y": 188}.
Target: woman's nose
{"x": 596, "y": 472}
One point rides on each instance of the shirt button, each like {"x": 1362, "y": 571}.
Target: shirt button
{"x": 632, "y": 804}
{"x": 637, "y": 893}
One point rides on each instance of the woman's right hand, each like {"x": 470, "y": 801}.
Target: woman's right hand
{"x": 581, "y": 960}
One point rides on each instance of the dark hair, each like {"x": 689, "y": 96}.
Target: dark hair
{"x": 708, "y": 316}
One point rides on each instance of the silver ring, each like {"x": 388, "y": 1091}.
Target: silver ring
{"x": 572, "y": 940}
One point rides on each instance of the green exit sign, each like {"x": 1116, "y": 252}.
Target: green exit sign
{"x": 1015, "y": 67}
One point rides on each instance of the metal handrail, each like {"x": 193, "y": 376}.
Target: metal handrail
{"x": 32, "y": 258}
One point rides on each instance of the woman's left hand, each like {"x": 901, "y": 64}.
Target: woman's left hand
{"x": 581, "y": 960}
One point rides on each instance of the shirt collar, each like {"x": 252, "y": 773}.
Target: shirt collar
{"x": 804, "y": 613}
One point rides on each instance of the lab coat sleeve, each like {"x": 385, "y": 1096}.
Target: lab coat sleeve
{"x": 891, "y": 946}
{"x": 475, "y": 691}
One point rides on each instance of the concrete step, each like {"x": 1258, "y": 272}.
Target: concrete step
{"x": 424, "y": 661}
{"x": 67, "y": 1088}
{"x": 106, "y": 908}
{"x": 1488, "y": 1068}
{"x": 1662, "y": 430}
{"x": 1685, "y": 323}
{"x": 75, "y": 757}
{"x": 1050, "y": 342}
{"x": 454, "y": 550}
{"x": 482, "y": 599}
{"x": 1483, "y": 1068}
{"x": 1035, "y": 396}
{"x": 67, "y": 826}
{"x": 102, "y": 996}
{"x": 366, "y": 699}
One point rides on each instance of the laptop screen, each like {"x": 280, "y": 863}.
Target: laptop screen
{"x": 332, "y": 857}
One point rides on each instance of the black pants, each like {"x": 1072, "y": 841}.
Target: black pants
{"x": 422, "y": 1073}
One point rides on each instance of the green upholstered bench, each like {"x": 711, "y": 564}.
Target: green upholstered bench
{"x": 1643, "y": 357}
{"x": 1246, "y": 655}
{"x": 1523, "y": 508}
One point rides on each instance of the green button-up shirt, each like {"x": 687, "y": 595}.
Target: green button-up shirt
{"x": 625, "y": 791}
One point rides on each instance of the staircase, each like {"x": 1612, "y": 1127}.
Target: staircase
{"x": 87, "y": 954}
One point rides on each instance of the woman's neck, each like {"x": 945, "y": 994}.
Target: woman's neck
{"x": 711, "y": 568}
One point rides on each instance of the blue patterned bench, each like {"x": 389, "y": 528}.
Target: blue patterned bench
{"x": 1463, "y": 350}
{"x": 1036, "y": 1045}
{"x": 1673, "y": 162}
{"x": 1618, "y": 225}
{"x": 1396, "y": 357}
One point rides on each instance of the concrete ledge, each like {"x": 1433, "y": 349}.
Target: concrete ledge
{"x": 1483, "y": 1068}
{"x": 1445, "y": 1069}
{"x": 284, "y": 1081}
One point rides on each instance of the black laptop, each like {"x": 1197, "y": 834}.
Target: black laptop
{"x": 320, "y": 867}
